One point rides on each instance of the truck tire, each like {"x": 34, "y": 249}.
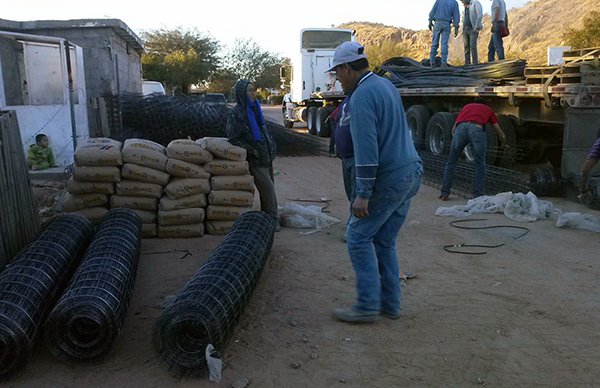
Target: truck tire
{"x": 439, "y": 133}
{"x": 311, "y": 120}
{"x": 286, "y": 121}
{"x": 506, "y": 157}
{"x": 491, "y": 147}
{"x": 418, "y": 117}
{"x": 322, "y": 126}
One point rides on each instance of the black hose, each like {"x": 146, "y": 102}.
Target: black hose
{"x": 448, "y": 248}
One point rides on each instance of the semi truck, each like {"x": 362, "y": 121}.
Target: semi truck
{"x": 313, "y": 92}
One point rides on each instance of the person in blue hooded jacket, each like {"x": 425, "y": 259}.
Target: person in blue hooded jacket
{"x": 246, "y": 128}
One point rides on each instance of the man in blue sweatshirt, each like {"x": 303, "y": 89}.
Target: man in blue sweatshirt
{"x": 442, "y": 15}
{"x": 388, "y": 174}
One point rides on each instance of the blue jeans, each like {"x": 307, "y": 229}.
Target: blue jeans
{"x": 440, "y": 28}
{"x": 464, "y": 134}
{"x": 470, "y": 44}
{"x": 496, "y": 45}
{"x": 377, "y": 274}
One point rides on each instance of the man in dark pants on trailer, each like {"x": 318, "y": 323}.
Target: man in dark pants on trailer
{"x": 469, "y": 128}
{"x": 388, "y": 174}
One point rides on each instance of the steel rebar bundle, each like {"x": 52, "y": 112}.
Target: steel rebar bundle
{"x": 405, "y": 72}
{"x": 87, "y": 320}
{"x": 32, "y": 283}
{"x": 497, "y": 179}
{"x": 164, "y": 118}
{"x": 206, "y": 310}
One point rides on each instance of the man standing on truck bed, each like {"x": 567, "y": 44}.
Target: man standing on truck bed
{"x": 388, "y": 174}
{"x": 499, "y": 30}
{"x": 443, "y": 13}
{"x": 469, "y": 128}
{"x": 471, "y": 27}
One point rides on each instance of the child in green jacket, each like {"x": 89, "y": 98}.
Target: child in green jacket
{"x": 39, "y": 155}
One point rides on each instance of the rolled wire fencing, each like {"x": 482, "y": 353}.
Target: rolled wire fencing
{"x": 207, "y": 309}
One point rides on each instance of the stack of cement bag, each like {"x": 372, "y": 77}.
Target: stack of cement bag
{"x": 97, "y": 169}
{"x": 232, "y": 186}
{"x": 143, "y": 181}
{"x": 182, "y": 207}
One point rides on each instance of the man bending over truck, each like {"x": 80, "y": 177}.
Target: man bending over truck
{"x": 470, "y": 128}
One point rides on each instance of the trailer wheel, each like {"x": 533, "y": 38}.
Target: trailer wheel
{"x": 311, "y": 120}
{"x": 439, "y": 133}
{"x": 418, "y": 117}
{"x": 506, "y": 157}
{"x": 322, "y": 126}
{"x": 286, "y": 121}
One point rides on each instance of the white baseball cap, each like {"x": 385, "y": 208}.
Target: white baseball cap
{"x": 347, "y": 52}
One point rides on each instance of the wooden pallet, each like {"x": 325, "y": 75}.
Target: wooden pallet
{"x": 584, "y": 71}
{"x": 581, "y": 55}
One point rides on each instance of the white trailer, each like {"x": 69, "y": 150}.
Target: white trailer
{"x": 314, "y": 93}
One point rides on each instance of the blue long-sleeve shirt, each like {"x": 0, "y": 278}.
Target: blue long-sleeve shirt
{"x": 383, "y": 149}
{"x": 445, "y": 10}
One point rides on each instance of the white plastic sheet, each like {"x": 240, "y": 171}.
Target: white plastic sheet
{"x": 521, "y": 207}
{"x": 293, "y": 215}
{"x": 215, "y": 365}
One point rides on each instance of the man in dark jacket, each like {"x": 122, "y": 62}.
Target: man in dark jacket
{"x": 246, "y": 128}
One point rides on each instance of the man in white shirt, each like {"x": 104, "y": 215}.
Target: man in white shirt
{"x": 471, "y": 27}
{"x": 499, "y": 30}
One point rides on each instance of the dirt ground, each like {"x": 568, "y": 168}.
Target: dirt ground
{"x": 523, "y": 315}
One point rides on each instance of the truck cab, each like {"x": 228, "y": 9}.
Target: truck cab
{"x": 314, "y": 94}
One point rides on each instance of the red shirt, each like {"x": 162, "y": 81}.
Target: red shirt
{"x": 480, "y": 113}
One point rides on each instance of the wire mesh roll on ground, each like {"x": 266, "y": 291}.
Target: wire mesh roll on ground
{"x": 206, "y": 310}
{"x": 33, "y": 282}
{"x": 87, "y": 320}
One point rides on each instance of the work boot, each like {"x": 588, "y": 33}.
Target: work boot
{"x": 390, "y": 315}
{"x": 349, "y": 314}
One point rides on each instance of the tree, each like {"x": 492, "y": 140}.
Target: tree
{"x": 222, "y": 81}
{"x": 248, "y": 60}
{"x": 179, "y": 58}
{"x": 588, "y": 36}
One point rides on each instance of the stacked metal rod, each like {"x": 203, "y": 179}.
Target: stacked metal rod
{"x": 32, "y": 283}
{"x": 404, "y": 72}
{"x": 497, "y": 179}
{"x": 206, "y": 310}
{"x": 290, "y": 143}
{"x": 87, "y": 320}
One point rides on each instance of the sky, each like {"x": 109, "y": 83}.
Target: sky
{"x": 274, "y": 25}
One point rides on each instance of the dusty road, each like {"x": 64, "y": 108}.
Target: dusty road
{"x": 524, "y": 315}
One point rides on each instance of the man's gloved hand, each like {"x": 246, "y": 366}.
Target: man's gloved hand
{"x": 431, "y": 25}
{"x": 586, "y": 198}
{"x": 455, "y": 32}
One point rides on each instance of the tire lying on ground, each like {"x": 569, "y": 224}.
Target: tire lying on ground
{"x": 418, "y": 117}
{"x": 439, "y": 133}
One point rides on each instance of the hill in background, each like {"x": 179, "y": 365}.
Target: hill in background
{"x": 533, "y": 27}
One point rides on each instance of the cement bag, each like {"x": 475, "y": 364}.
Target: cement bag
{"x": 181, "y": 169}
{"x": 149, "y": 230}
{"x": 226, "y": 167}
{"x": 188, "y": 151}
{"x": 147, "y": 216}
{"x": 145, "y": 157}
{"x": 179, "y": 231}
{"x": 139, "y": 189}
{"x": 74, "y": 202}
{"x": 144, "y": 174}
{"x": 230, "y": 198}
{"x": 139, "y": 203}
{"x": 94, "y": 214}
{"x": 183, "y": 187}
{"x": 145, "y": 144}
{"x": 233, "y": 182}
{"x": 197, "y": 200}
{"x": 181, "y": 216}
{"x": 224, "y": 213}
{"x": 78, "y": 187}
{"x": 221, "y": 148}
{"x": 97, "y": 174}
{"x": 98, "y": 152}
{"x": 218, "y": 227}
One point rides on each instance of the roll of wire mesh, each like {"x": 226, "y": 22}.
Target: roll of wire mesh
{"x": 206, "y": 310}
{"x": 87, "y": 320}
{"x": 32, "y": 283}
